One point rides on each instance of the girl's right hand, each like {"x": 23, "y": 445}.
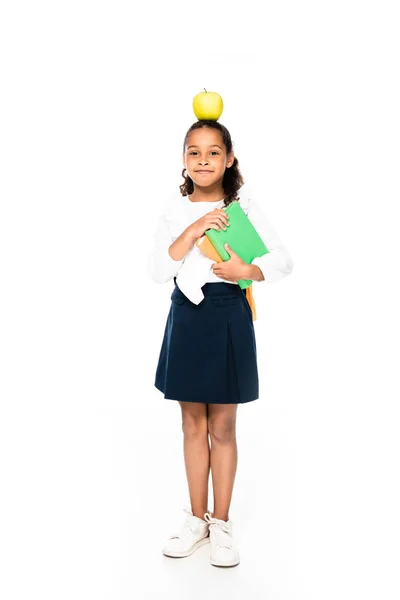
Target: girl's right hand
{"x": 215, "y": 219}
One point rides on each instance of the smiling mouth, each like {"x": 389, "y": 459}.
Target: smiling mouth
{"x": 203, "y": 171}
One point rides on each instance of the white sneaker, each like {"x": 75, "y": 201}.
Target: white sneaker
{"x": 194, "y": 533}
{"x": 223, "y": 551}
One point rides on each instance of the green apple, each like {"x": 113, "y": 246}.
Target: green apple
{"x": 208, "y": 105}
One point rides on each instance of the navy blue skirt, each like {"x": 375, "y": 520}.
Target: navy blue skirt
{"x": 208, "y": 353}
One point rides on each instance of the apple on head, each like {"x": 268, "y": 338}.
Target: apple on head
{"x": 208, "y": 105}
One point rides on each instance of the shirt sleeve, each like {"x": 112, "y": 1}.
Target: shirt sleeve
{"x": 277, "y": 262}
{"x": 161, "y": 266}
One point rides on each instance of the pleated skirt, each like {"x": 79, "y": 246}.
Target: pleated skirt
{"x": 208, "y": 352}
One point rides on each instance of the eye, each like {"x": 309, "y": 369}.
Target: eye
{"x": 212, "y": 151}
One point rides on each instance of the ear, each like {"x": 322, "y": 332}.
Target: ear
{"x": 230, "y": 160}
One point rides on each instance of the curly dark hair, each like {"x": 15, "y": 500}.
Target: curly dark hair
{"x": 232, "y": 179}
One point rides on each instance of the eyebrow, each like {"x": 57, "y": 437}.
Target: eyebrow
{"x": 211, "y": 146}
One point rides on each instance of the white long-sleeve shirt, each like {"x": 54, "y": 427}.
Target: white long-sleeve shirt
{"x": 194, "y": 269}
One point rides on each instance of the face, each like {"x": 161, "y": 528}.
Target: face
{"x": 205, "y": 151}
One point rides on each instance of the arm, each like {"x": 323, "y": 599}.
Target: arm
{"x": 277, "y": 262}
{"x": 167, "y": 256}
{"x": 253, "y": 272}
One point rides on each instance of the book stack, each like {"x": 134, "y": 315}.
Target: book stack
{"x": 244, "y": 240}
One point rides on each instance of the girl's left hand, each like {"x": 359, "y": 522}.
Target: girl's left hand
{"x": 232, "y": 269}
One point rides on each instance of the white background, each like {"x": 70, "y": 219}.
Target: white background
{"x": 96, "y": 99}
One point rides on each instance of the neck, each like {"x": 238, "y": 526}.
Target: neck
{"x": 201, "y": 196}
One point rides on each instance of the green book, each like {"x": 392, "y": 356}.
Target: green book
{"x": 242, "y": 237}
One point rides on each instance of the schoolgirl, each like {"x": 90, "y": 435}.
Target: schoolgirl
{"x": 208, "y": 356}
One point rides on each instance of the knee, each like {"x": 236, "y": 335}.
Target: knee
{"x": 222, "y": 430}
{"x": 194, "y": 426}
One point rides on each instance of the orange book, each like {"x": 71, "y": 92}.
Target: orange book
{"x": 204, "y": 244}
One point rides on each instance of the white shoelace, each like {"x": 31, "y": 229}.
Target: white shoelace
{"x": 186, "y": 528}
{"x": 221, "y": 532}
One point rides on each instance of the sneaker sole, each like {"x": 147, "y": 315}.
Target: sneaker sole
{"x": 184, "y": 553}
{"x": 219, "y": 564}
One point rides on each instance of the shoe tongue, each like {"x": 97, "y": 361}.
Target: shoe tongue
{"x": 222, "y": 521}
{"x": 197, "y": 519}
{"x": 225, "y": 525}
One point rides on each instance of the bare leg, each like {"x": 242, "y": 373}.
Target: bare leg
{"x": 223, "y": 456}
{"x": 197, "y": 454}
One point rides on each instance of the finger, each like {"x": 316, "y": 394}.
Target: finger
{"x": 229, "y": 249}
{"x": 221, "y": 214}
{"x": 218, "y": 221}
{"x": 224, "y": 215}
{"x": 221, "y": 223}
{"x": 213, "y": 225}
